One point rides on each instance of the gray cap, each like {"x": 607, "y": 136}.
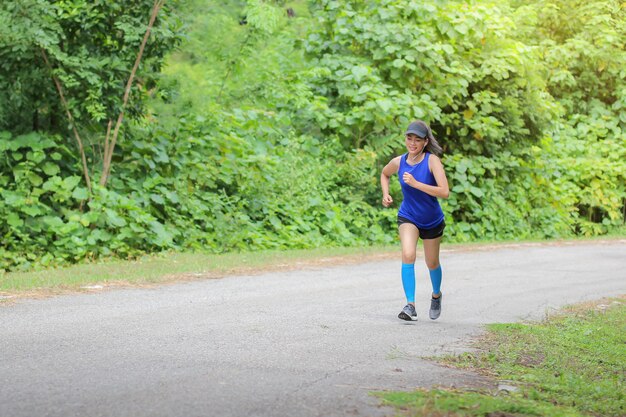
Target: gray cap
{"x": 417, "y": 129}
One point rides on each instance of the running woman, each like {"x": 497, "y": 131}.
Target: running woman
{"x": 423, "y": 180}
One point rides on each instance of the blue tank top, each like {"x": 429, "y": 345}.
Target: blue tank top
{"x": 422, "y": 209}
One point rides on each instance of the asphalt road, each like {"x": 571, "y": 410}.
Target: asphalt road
{"x": 311, "y": 342}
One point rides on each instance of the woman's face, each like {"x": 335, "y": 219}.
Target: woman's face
{"x": 415, "y": 143}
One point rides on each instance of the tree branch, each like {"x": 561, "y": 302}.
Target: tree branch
{"x": 57, "y": 83}
{"x": 108, "y": 156}
{"x": 107, "y": 141}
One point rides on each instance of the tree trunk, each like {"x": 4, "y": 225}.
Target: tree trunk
{"x": 110, "y": 146}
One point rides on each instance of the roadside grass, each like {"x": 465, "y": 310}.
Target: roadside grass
{"x": 170, "y": 267}
{"x": 571, "y": 364}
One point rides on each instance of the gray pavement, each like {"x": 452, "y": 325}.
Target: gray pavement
{"x": 312, "y": 342}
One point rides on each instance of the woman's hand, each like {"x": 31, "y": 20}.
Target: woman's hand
{"x": 441, "y": 190}
{"x": 409, "y": 179}
{"x": 387, "y": 200}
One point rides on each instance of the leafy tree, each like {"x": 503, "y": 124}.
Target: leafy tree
{"x": 270, "y": 131}
{"x": 73, "y": 60}
{"x": 457, "y": 65}
{"x": 498, "y": 81}
{"x": 582, "y": 45}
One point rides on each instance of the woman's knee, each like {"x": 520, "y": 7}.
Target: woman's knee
{"x": 408, "y": 257}
{"x": 432, "y": 263}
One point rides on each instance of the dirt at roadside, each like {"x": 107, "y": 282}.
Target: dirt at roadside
{"x": 322, "y": 262}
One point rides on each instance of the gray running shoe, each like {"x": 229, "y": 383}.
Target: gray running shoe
{"x": 435, "y": 307}
{"x": 408, "y": 313}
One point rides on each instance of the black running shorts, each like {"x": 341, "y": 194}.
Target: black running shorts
{"x": 432, "y": 233}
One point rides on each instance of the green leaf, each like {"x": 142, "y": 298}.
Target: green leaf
{"x": 359, "y": 72}
{"x": 71, "y": 182}
{"x": 33, "y": 141}
{"x": 80, "y": 194}
{"x": 157, "y": 198}
{"x": 53, "y": 222}
{"x": 476, "y": 191}
{"x": 34, "y": 179}
{"x": 14, "y": 220}
{"x": 398, "y": 63}
{"x": 163, "y": 237}
{"x": 461, "y": 167}
{"x": 114, "y": 219}
{"x": 51, "y": 169}
{"x": 275, "y": 221}
{"x": 32, "y": 210}
{"x": 385, "y": 104}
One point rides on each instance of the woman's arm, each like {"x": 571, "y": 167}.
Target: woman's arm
{"x": 389, "y": 169}
{"x": 440, "y": 190}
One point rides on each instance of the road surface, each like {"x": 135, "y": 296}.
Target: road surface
{"x": 312, "y": 342}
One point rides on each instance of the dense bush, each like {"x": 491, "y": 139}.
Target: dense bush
{"x": 202, "y": 186}
{"x": 517, "y": 93}
{"x": 270, "y": 131}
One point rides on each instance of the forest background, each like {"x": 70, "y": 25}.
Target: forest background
{"x": 264, "y": 124}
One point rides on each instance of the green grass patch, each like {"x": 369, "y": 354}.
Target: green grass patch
{"x": 571, "y": 364}
{"x": 175, "y": 266}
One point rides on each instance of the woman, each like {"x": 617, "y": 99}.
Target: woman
{"x": 423, "y": 180}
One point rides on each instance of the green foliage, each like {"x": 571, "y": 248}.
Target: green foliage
{"x": 234, "y": 193}
{"x": 455, "y": 65}
{"x": 225, "y": 64}
{"x": 202, "y": 186}
{"x": 559, "y": 367}
{"x": 47, "y": 220}
{"x": 590, "y": 173}
{"x": 504, "y": 197}
{"x": 265, "y": 131}
{"x": 91, "y": 47}
{"x": 489, "y": 77}
{"x": 582, "y": 45}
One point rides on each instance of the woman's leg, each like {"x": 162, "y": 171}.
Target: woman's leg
{"x": 408, "y": 239}
{"x": 431, "y": 256}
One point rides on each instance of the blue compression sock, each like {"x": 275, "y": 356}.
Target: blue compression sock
{"x": 408, "y": 282}
{"x": 435, "y": 279}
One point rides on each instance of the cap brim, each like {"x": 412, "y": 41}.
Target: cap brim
{"x": 416, "y": 133}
